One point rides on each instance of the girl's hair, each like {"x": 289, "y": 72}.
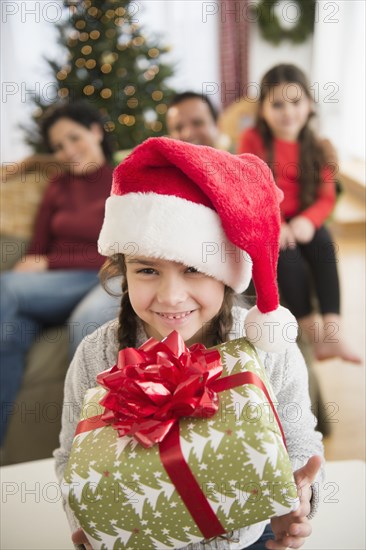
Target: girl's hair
{"x": 78, "y": 112}
{"x": 127, "y": 322}
{"x": 311, "y": 158}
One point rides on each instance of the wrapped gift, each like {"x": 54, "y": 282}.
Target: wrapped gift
{"x": 178, "y": 446}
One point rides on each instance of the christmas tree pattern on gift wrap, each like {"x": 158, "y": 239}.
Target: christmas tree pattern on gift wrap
{"x": 128, "y": 500}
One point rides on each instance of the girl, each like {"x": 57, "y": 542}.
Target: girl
{"x": 177, "y": 231}
{"x": 61, "y": 266}
{"x": 283, "y": 138}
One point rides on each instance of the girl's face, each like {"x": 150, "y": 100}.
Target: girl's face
{"x": 170, "y": 296}
{"x": 77, "y": 146}
{"x": 286, "y": 109}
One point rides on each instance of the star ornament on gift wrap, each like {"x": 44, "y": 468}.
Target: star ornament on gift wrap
{"x": 153, "y": 386}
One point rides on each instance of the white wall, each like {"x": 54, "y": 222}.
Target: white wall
{"x": 190, "y": 29}
{"x": 264, "y": 55}
{"x": 27, "y": 34}
{"x": 339, "y": 69}
{"x": 192, "y": 36}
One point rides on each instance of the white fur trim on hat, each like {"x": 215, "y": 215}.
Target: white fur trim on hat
{"x": 172, "y": 228}
{"x": 274, "y": 331}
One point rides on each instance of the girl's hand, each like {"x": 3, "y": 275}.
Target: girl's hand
{"x": 291, "y": 529}
{"x": 32, "y": 263}
{"x": 302, "y": 229}
{"x": 79, "y": 537}
{"x": 287, "y": 238}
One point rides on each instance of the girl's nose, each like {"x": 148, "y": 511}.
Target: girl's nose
{"x": 171, "y": 291}
{"x": 289, "y": 107}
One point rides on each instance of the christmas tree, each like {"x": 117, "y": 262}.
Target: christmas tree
{"x": 114, "y": 67}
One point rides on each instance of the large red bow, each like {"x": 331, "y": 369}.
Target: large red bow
{"x": 151, "y": 387}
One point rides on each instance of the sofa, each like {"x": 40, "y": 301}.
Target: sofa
{"x": 36, "y": 417}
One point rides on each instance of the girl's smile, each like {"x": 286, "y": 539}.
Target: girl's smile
{"x": 170, "y": 296}
{"x": 174, "y": 316}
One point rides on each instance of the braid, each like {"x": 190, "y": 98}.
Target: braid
{"x": 127, "y": 320}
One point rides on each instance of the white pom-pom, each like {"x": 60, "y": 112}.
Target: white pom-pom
{"x": 274, "y": 331}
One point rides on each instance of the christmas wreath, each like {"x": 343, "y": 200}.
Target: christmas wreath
{"x": 270, "y": 25}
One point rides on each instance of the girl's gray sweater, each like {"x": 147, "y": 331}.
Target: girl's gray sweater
{"x": 287, "y": 373}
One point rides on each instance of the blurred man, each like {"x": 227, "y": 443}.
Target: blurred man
{"x": 191, "y": 117}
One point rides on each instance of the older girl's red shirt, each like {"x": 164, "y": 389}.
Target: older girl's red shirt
{"x": 286, "y": 171}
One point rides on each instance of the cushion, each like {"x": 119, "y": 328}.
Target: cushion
{"x": 21, "y": 190}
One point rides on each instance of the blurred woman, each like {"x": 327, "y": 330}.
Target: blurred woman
{"x": 62, "y": 262}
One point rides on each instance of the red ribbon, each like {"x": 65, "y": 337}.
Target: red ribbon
{"x": 187, "y": 486}
{"x": 241, "y": 378}
{"x": 167, "y": 432}
{"x": 150, "y": 388}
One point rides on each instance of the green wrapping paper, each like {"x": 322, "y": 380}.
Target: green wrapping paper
{"x": 123, "y": 497}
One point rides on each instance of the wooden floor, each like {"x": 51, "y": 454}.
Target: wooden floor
{"x": 343, "y": 384}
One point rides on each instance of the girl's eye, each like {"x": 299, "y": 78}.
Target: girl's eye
{"x": 147, "y": 271}
{"x": 277, "y": 104}
{"x": 192, "y": 270}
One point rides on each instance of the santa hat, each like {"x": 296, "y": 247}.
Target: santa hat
{"x": 207, "y": 209}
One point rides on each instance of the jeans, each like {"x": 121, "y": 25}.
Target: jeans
{"x": 29, "y": 301}
{"x": 260, "y": 543}
{"x": 93, "y": 311}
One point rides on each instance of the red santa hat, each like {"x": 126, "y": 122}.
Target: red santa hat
{"x": 207, "y": 209}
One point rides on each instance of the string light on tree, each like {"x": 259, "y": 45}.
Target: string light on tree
{"x": 109, "y": 126}
{"x": 132, "y": 102}
{"x": 108, "y": 57}
{"x": 80, "y": 25}
{"x": 161, "y": 109}
{"x": 130, "y": 90}
{"x": 90, "y": 64}
{"x": 88, "y": 90}
{"x": 94, "y": 35}
{"x": 106, "y": 93}
{"x": 93, "y": 12}
{"x": 86, "y": 50}
{"x": 106, "y": 68}
{"x": 63, "y": 93}
{"x": 157, "y": 95}
{"x": 80, "y": 62}
{"x": 61, "y": 75}
{"x": 157, "y": 126}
